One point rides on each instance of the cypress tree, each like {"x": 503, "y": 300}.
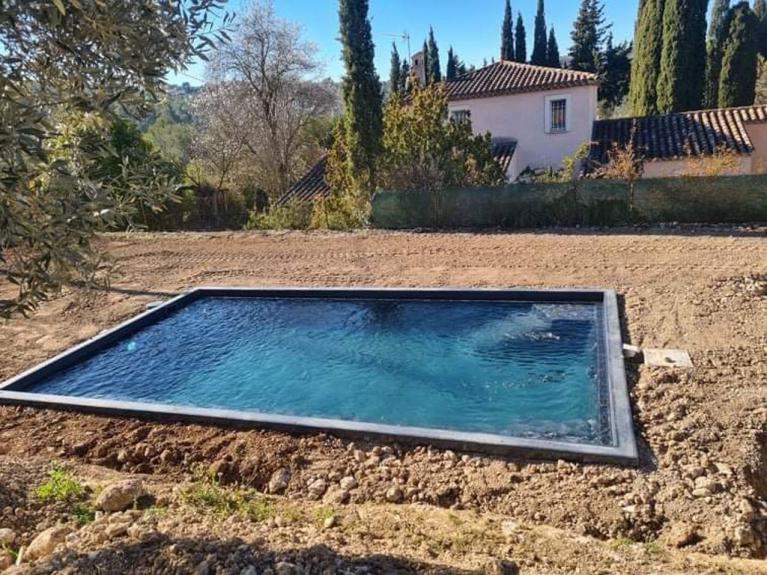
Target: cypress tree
{"x": 760, "y": 10}
{"x": 425, "y": 52}
{"x": 396, "y": 69}
{"x": 450, "y": 73}
{"x": 714, "y": 44}
{"x": 520, "y": 41}
{"x": 539, "y": 37}
{"x": 737, "y": 85}
{"x": 616, "y": 74}
{"x": 588, "y": 36}
{"x": 507, "y": 34}
{"x": 552, "y": 51}
{"x": 361, "y": 89}
{"x": 645, "y": 66}
{"x": 683, "y": 57}
{"x": 433, "y": 71}
{"x": 404, "y": 78}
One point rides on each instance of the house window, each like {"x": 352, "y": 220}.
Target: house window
{"x": 557, "y": 112}
{"x": 460, "y": 116}
{"x": 558, "y": 115}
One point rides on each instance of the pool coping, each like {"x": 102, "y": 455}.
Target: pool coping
{"x": 623, "y": 451}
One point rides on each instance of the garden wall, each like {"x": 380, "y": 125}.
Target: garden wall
{"x": 730, "y": 199}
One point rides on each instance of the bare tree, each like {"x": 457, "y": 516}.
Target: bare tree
{"x": 219, "y": 142}
{"x": 271, "y": 76}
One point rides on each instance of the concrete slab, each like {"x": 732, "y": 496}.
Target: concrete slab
{"x": 667, "y": 358}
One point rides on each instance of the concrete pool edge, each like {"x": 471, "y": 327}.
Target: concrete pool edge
{"x": 623, "y": 451}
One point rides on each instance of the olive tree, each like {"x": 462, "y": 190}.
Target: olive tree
{"x": 272, "y": 85}
{"x": 78, "y": 57}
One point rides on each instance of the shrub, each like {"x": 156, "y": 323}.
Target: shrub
{"x": 291, "y": 216}
{"x": 341, "y": 211}
{"x": 424, "y": 150}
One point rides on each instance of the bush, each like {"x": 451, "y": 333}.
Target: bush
{"x": 291, "y": 216}
{"x": 341, "y": 211}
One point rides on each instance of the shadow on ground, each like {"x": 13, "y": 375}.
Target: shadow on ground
{"x": 746, "y": 230}
{"x": 190, "y": 555}
{"x": 647, "y": 458}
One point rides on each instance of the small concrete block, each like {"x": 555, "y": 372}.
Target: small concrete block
{"x": 667, "y": 358}
{"x": 632, "y": 352}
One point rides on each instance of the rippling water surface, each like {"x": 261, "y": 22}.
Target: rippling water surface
{"x": 507, "y": 368}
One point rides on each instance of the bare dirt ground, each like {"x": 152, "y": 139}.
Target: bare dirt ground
{"x": 697, "y": 504}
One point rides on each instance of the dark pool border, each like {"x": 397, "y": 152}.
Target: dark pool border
{"x": 623, "y": 451}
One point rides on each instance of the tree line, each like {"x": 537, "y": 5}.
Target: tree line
{"x": 593, "y": 50}
{"x": 681, "y": 64}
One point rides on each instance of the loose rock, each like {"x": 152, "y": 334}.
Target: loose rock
{"x": 394, "y": 495}
{"x": 285, "y": 568}
{"x": 348, "y": 483}
{"x": 279, "y": 481}
{"x": 7, "y": 537}
{"x": 45, "y": 543}
{"x": 317, "y": 488}
{"x": 119, "y": 496}
{"x": 681, "y": 535}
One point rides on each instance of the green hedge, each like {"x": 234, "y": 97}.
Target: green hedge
{"x": 732, "y": 199}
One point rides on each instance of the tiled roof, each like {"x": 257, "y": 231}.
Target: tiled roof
{"x": 503, "y": 152}
{"x": 506, "y": 77}
{"x": 309, "y": 188}
{"x": 678, "y": 135}
{"x": 313, "y": 186}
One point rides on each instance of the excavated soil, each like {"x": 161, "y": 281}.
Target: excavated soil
{"x": 697, "y": 498}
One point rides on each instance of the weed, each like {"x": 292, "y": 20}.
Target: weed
{"x": 11, "y": 552}
{"x": 291, "y": 514}
{"x": 83, "y": 513}
{"x": 653, "y": 548}
{"x": 61, "y": 486}
{"x": 224, "y": 502}
{"x": 621, "y": 543}
{"x": 156, "y": 511}
{"x": 322, "y": 514}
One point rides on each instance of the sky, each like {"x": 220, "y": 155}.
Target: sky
{"x": 472, "y": 27}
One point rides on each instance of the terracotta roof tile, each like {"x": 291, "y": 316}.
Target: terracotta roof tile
{"x": 310, "y": 187}
{"x": 504, "y": 77}
{"x": 678, "y": 135}
{"x": 503, "y": 152}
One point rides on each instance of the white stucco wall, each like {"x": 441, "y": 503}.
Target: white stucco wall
{"x": 523, "y": 118}
{"x": 676, "y": 168}
{"x": 758, "y": 134}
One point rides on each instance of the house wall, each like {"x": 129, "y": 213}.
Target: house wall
{"x": 677, "y": 168}
{"x": 758, "y": 135}
{"x": 523, "y": 118}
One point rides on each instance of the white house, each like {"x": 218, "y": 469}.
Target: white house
{"x": 548, "y": 112}
{"x": 538, "y": 116}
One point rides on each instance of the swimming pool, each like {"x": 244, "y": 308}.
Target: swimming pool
{"x": 539, "y": 372}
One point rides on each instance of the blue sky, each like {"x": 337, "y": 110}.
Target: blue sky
{"x": 472, "y": 27}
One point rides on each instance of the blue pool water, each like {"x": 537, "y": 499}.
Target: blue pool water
{"x": 508, "y": 368}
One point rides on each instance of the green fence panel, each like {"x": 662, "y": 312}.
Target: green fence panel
{"x": 591, "y": 203}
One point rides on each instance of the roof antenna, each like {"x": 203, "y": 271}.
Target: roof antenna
{"x": 404, "y": 36}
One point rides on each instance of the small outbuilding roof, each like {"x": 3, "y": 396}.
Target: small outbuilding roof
{"x": 310, "y": 187}
{"x": 505, "y": 77}
{"x": 679, "y": 135}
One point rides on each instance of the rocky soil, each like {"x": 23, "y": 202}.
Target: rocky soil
{"x": 295, "y": 504}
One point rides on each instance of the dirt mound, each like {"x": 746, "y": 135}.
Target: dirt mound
{"x": 701, "y": 481}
